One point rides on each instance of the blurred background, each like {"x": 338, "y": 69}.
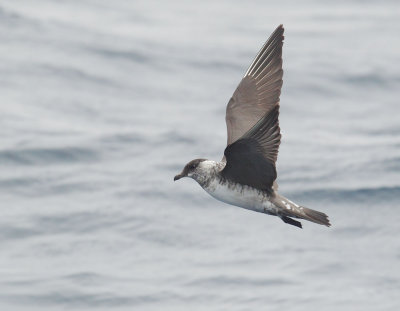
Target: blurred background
{"x": 103, "y": 102}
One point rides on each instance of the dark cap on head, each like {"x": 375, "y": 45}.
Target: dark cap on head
{"x": 191, "y": 166}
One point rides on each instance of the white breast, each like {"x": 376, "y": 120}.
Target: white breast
{"x": 239, "y": 195}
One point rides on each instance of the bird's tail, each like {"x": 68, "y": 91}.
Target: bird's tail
{"x": 290, "y": 209}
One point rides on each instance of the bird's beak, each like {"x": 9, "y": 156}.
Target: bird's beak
{"x": 177, "y": 177}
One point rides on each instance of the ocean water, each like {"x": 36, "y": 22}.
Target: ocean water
{"x": 103, "y": 102}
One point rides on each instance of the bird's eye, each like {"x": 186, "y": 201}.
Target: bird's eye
{"x": 192, "y": 167}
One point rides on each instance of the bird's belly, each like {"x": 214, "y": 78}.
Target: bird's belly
{"x": 239, "y": 195}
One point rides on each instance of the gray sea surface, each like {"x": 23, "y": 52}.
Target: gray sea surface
{"x": 103, "y": 102}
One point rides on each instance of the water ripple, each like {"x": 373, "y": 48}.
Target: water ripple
{"x": 45, "y": 156}
{"x": 358, "y": 195}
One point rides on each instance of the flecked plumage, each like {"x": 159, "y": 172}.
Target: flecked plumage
{"x": 246, "y": 176}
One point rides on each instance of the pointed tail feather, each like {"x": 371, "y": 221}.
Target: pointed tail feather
{"x": 290, "y": 209}
{"x": 317, "y": 217}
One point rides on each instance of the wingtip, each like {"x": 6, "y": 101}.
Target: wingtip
{"x": 282, "y": 29}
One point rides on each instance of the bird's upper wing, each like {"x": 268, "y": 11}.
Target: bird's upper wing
{"x": 258, "y": 92}
{"x": 251, "y": 159}
{"x": 252, "y": 119}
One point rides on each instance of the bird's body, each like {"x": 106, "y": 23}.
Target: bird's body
{"x": 240, "y": 195}
{"x": 230, "y": 192}
{"x": 246, "y": 175}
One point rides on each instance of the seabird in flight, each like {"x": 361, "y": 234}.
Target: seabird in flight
{"x": 246, "y": 175}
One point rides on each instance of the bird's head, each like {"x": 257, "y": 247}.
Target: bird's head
{"x": 194, "y": 169}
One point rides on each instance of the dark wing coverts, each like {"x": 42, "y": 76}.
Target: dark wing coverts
{"x": 252, "y": 119}
{"x": 251, "y": 159}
